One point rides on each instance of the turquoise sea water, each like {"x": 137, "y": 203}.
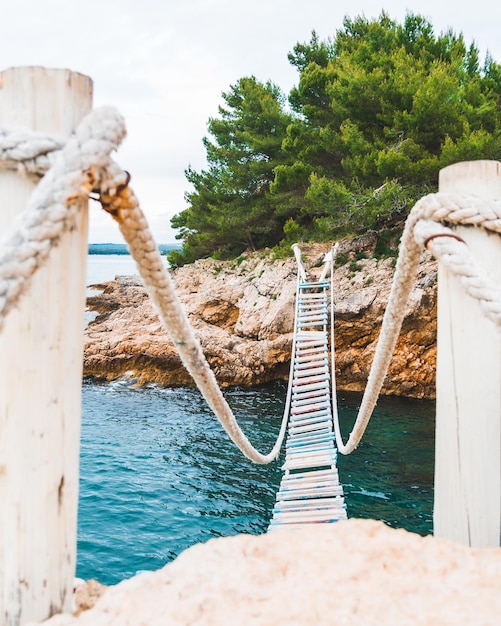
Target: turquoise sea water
{"x": 104, "y": 267}
{"x": 159, "y": 474}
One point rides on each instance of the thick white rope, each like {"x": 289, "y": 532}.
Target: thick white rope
{"x": 77, "y": 169}
{"x": 422, "y": 226}
{"x": 328, "y": 262}
{"x": 84, "y": 165}
{"x": 152, "y": 268}
{"x": 28, "y": 151}
{"x": 456, "y": 256}
{"x": 300, "y": 267}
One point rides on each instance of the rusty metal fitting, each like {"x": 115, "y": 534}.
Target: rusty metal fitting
{"x": 451, "y": 235}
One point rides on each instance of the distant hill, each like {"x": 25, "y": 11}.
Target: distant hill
{"x": 121, "y": 248}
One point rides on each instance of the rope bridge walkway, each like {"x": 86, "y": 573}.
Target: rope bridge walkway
{"x": 310, "y": 491}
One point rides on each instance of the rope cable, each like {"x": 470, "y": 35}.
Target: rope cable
{"x": 75, "y": 170}
{"x": 417, "y": 229}
{"x": 83, "y": 165}
{"x": 126, "y": 211}
{"x": 300, "y": 266}
{"x": 334, "y": 408}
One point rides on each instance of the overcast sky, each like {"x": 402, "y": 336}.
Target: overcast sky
{"x": 164, "y": 63}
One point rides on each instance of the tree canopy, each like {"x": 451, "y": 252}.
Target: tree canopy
{"x": 377, "y": 112}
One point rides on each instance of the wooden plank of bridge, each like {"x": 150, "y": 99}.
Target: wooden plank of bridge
{"x": 468, "y": 430}
{"x": 41, "y": 353}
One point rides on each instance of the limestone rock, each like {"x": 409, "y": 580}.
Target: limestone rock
{"x": 352, "y": 573}
{"x": 86, "y": 594}
{"x": 243, "y": 314}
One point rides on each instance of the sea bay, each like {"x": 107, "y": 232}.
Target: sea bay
{"x": 159, "y": 474}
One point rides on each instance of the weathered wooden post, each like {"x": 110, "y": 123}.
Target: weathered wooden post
{"x": 468, "y": 430}
{"x": 41, "y": 349}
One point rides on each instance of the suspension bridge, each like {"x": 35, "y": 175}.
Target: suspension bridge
{"x": 309, "y": 491}
{"x": 47, "y": 175}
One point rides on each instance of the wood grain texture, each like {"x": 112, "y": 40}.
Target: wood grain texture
{"x": 41, "y": 350}
{"x": 468, "y": 435}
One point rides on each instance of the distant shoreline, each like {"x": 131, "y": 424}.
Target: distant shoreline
{"x": 121, "y": 248}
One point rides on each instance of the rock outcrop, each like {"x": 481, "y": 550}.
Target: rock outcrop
{"x": 242, "y": 312}
{"x": 354, "y": 573}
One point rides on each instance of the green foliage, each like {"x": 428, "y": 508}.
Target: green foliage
{"x": 342, "y": 258}
{"x": 230, "y": 208}
{"x": 376, "y": 113}
{"x": 387, "y": 243}
{"x": 385, "y": 106}
{"x": 292, "y": 234}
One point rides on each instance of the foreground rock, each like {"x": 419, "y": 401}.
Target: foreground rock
{"x": 243, "y": 311}
{"x": 355, "y": 572}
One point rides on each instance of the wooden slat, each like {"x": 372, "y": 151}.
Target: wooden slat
{"x": 310, "y": 419}
{"x": 304, "y": 440}
{"x": 292, "y": 505}
{"x": 313, "y": 371}
{"x": 308, "y": 475}
{"x": 331, "y": 479}
{"x": 318, "y": 396}
{"x": 310, "y": 406}
{"x": 311, "y": 380}
{"x": 311, "y": 492}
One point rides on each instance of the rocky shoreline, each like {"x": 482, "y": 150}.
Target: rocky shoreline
{"x": 243, "y": 310}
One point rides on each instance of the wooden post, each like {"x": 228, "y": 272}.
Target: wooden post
{"x": 468, "y": 433}
{"x": 41, "y": 353}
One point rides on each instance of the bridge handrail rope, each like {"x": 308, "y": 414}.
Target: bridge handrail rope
{"x": 300, "y": 267}
{"x": 422, "y": 231}
{"x": 83, "y": 166}
{"x": 329, "y": 265}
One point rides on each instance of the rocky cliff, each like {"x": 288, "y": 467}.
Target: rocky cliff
{"x": 352, "y": 573}
{"x": 243, "y": 310}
